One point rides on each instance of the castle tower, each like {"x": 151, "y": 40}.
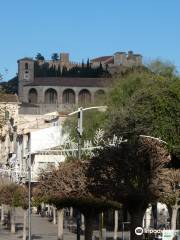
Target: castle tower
{"x": 25, "y": 74}
{"x": 64, "y": 59}
{"x": 120, "y": 58}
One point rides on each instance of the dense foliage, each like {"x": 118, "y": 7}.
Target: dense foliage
{"x": 132, "y": 173}
{"x": 39, "y": 57}
{"x": 44, "y": 70}
{"x": 92, "y": 121}
{"x": 146, "y": 103}
{"x": 69, "y": 186}
{"x": 13, "y": 195}
{"x": 140, "y": 102}
{"x": 11, "y": 86}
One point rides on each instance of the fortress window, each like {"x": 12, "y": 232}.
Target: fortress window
{"x": 26, "y": 66}
{"x": 84, "y": 97}
{"x": 68, "y": 96}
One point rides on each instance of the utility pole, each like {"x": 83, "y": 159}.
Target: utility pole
{"x": 79, "y": 131}
{"x": 29, "y": 187}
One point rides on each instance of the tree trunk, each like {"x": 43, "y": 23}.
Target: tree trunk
{"x": 24, "y": 224}
{"x": 71, "y": 212}
{"x": 54, "y": 216}
{"x": 154, "y": 212}
{"x": 2, "y": 213}
{"x": 101, "y": 225}
{"x": 13, "y": 226}
{"x": 136, "y": 212}
{"x": 89, "y": 219}
{"x": 60, "y": 213}
{"x": 115, "y": 224}
{"x": 170, "y": 212}
{"x": 82, "y": 222}
{"x": 174, "y": 217}
{"x": 136, "y": 221}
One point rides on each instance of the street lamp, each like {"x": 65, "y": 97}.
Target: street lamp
{"x": 80, "y": 132}
{"x": 29, "y": 188}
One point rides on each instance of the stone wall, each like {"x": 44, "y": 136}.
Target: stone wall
{"x": 60, "y": 89}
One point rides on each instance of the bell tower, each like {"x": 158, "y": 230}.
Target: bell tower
{"x": 25, "y": 74}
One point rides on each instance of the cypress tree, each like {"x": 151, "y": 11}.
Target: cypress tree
{"x": 59, "y": 71}
{"x": 64, "y": 71}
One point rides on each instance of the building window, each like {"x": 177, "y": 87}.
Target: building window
{"x": 26, "y": 66}
{"x": 50, "y": 96}
{"x": 33, "y": 96}
{"x": 68, "y": 97}
{"x": 84, "y": 97}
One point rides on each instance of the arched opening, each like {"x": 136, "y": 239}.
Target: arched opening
{"x": 33, "y": 96}
{"x": 84, "y": 97}
{"x": 50, "y": 96}
{"x": 26, "y": 66}
{"x": 99, "y": 96}
{"x": 68, "y": 96}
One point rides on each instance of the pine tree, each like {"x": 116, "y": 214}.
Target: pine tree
{"x": 88, "y": 64}
{"x": 40, "y": 57}
{"x": 59, "y": 71}
{"x": 55, "y": 57}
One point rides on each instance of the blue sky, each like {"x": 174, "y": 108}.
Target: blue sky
{"x": 88, "y": 29}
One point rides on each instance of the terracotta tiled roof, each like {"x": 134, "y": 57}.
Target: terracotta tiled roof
{"x": 9, "y": 98}
{"x": 71, "y": 82}
{"x": 101, "y": 59}
{"x": 110, "y": 60}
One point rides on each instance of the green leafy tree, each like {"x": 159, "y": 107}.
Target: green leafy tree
{"x": 64, "y": 71}
{"x": 145, "y": 103}
{"x": 92, "y": 121}
{"x": 68, "y": 186}
{"x": 172, "y": 198}
{"x": 59, "y": 71}
{"x": 14, "y": 195}
{"x": 132, "y": 173}
{"x": 55, "y": 57}
{"x": 40, "y": 57}
{"x": 10, "y": 86}
{"x": 88, "y": 64}
{"x": 164, "y": 68}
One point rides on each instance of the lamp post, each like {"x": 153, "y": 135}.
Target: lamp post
{"x": 29, "y": 188}
{"x": 80, "y": 132}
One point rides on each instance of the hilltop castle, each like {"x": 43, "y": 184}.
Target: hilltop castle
{"x": 42, "y": 94}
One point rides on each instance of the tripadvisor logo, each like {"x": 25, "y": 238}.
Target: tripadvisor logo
{"x": 139, "y": 231}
